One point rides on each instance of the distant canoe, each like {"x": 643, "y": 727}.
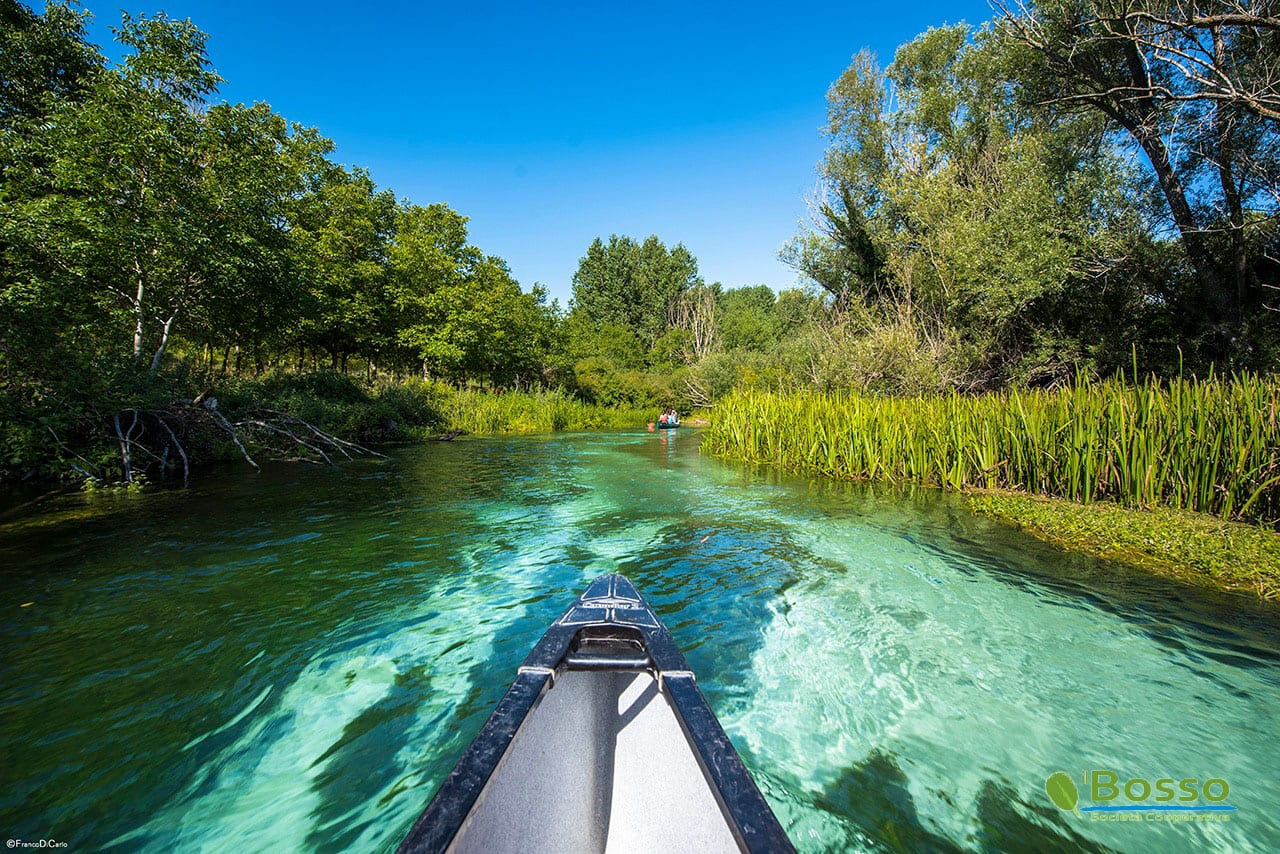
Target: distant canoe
{"x": 664, "y": 426}
{"x": 603, "y": 743}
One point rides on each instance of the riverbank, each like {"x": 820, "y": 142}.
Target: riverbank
{"x": 1191, "y": 547}
{"x": 168, "y": 427}
{"x": 1075, "y": 465}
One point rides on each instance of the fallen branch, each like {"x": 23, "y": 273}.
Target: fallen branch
{"x": 226, "y": 425}
{"x": 72, "y": 453}
{"x": 330, "y": 439}
{"x": 253, "y": 422}
{"x": 186, "y": 464}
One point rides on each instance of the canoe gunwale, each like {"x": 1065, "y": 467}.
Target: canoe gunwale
{"x": 445, "y": 816}
{"x": 610, "y": 627}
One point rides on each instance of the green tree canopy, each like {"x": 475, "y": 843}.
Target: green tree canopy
{"x": 949, "y": 205}
{"x": 1195, "y": 88}
{"x": 636, "y": 285}
{"x": 748, "y": 318}
{"x": 461, "y": 312}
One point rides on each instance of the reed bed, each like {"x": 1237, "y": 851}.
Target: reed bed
{"x": 534, "y": 412}
{"x": 1211, "y": 446}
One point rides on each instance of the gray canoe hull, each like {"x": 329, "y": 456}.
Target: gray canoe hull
{"x": 604, "y": 743}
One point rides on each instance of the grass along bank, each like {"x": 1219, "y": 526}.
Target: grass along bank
{"x": 1210, "y": 446}
{"x": 174, "y": 425}
{"x": 534, "y": 412}
{"x": 1158, "y": 476}
{"x": 413, "y": 410}
{"x": 1192, "y": 547}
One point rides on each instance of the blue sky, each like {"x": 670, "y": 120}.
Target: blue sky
{"x": 549, "y": 124}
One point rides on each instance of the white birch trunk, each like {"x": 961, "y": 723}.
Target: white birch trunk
{"x": 164, "y": 339}
{"x": 137, "y": 313}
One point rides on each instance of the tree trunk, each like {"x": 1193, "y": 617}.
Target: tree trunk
{"x": 1202, "y": 261}
{"x": 126, "y": 456}
{"x": 1223, "y": 124}
{"x": 137, "y": 312}
{"x": 164, "y": 341}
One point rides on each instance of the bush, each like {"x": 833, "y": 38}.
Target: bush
{"x": 415, "y": 406}
{"x": 536, "y": 412}
{"x": 602, "y": 382}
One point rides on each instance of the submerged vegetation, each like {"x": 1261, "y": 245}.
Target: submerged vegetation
{"x": 1192, "y": 547}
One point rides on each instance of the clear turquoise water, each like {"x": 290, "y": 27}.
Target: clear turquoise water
{"x": 295, "y": 660}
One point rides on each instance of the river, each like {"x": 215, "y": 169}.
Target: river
{"x": 294, "y": 660}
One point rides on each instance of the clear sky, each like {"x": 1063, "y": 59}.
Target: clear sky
{"x": 549, "y": 124}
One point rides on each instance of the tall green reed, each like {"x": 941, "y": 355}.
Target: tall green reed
{"x": 1211, "y": 446}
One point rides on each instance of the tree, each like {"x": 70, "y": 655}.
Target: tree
{"x": 258, "y": 169}
{"x": 749, "y": 318}
{"x": 636, "y": 285}
{"x": 460, "y": 311}
{"x": 694, "y": 314}
{"x": 429, "y": 256}
{"x": 947, "y": 206}
{"x": 44, "y": 59}
{"x": 342, "y": 232}
{"x": 579, "y": 337}
{"x": 519, "y": 355}
{"x": 118, "y": 214}
{"x": 1176, "y": 76}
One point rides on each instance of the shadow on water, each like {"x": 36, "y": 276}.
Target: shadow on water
{"x": 362, "y": 763}
{"x": 1006, "y": 823}
{"x": 873, "y": 796}
{"x": 344, "y": 790}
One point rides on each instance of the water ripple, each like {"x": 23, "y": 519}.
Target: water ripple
{"x": 295, "y": 660}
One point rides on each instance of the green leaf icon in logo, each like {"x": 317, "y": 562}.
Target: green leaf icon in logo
{"x": 1062, "y": 791}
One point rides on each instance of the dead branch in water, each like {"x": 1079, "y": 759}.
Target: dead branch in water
{"x": 186, "y": 464}
{"x": 222, "y": 422}
{"x": 335, "y": 442}
{"x": 148, "y": 438}
{"x": 318, "y": 444}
